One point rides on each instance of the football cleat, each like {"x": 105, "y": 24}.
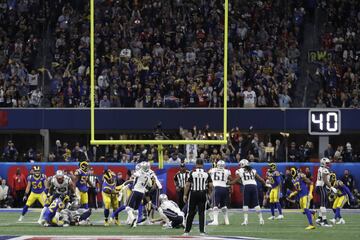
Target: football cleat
{"x": 21, "y": 218}
{"x": 271, "y": 218}
{"x": 117, "y": 222}
{"x": 106, "y": 223}
{"x": 310, "y": 227}
{"x": 341, "y": 221}
{"x": 325, "y": 224}
{"x": 244, "y": 223}
{"x": 332, "y": 221}
{"x": 226, "y": 220}
{"x": 262, "y": 222}
{"x": 202, "y": 234}
{"x": 133, "y": 223}
{"x": 279, "y": 217}
{"x": 185, "y": 234}
{"x": 213, "y": 223}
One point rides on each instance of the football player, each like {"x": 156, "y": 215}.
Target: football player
{"x": 274, "y": 179}
{"x": 110, "y": 196}
{"x": 170, "y": 213}
{"x": 36, "y": 186}
{"x": 303, "y": 190}
{"x": 343, "y": 196}
{"x": 82, "y": 182}
{"x": 220, "y": 177}
{"x": 248, "y": 176}
{"x": 322, "y": 181}
{"x": 142, "y": 180}
{"x": 59, "y": 184}
{"x": 52, "y": 215}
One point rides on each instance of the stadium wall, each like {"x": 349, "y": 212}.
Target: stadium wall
{"x": 166, "y": 175}
{"x": 274, "y": 120}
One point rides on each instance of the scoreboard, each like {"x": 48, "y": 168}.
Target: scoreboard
{"x": 324, "y": 122}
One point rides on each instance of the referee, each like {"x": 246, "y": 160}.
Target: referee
{"x": 180, "y": 179}
{"x": 196, "y": 188}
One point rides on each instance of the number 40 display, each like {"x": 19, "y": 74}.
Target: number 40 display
{"x": 324, "y": 122}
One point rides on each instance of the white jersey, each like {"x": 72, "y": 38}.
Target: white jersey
{"x": 157, "y": 182}
{"x": 60, "y": 188}
{"x": 142, "y": 180}
{"x": 170, "y": 207}
{"x": 247, "y": 178}
{"x": 249, "y": 97}
{"x": 220, "y": 176}
{"x": 322, "y": 171}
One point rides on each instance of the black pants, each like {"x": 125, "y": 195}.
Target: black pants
{"x": 180, "y": 195}
{"x": 197, "y": 200}
{"x": 92, "y": 198}
{"x": 19, "y": 195}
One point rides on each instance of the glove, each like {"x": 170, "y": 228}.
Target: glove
{"x": 24, "y": 198}
{"x": 333, "y": 190}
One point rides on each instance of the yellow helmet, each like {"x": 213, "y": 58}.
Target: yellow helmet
{"x": 272, "y": 166}
{"x": 109, "y": 176}
{"x": 332, "y": 179}
{"x": 84, "y": 165}
{"x": 36, "y": 170}
{"x": 294, "y": 172}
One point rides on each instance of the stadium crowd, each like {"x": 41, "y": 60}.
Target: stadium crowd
{"x": 152, "y": 54}
{"x": 21, "y": 27}
{"x": 340, "y": 73}
{"x": 250, "y": 145}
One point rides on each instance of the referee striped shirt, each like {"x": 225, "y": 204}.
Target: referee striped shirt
{"x": 180, "y": 178}
{"x": 199, "y": 180}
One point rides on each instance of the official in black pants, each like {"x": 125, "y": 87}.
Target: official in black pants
{"x": 180, "y": 179}
{"x": 197, "y": 186}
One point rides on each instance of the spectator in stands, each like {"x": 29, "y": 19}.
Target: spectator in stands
{"x": 119, "y": 179}
{"x": 293, "y": 154}
{"x": 329, "y": 152}
{"x": 5, "y": 197}
{"x": 18, "y": 184}
{"x": 279, "y": 151}
{"x": 348, "y": 153}
{"x": 348, "y": 179}
{"x": 10, "y": 152}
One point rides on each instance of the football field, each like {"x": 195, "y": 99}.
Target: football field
{"x": 292, "y": 227}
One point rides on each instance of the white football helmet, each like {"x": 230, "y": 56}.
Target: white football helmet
{"x": 59, "y": 173}
{"x": 220, "y": 164}
{"x": 244, "y": 163}
{"x": 163, "y": 197}
{"x": 145, "y": 166}
{"x": 325, "y": 162}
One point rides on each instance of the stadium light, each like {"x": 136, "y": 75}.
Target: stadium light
{"x": 94, "y": 141}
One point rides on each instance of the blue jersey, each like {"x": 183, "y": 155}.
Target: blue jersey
{"x": 344, "y": 190}
{"x": 37, "y": 183}
{"x": 300, "y": 186}
{"x": 81, "y": 184}
{"x": 109, "y": 187}
{"x": 55, "y": 206}
{"x": 275, "y": 179}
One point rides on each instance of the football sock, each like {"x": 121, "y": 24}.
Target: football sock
{"x": 278, "y": 205}
{"x": 25, "y": 209}
{"x": 106, "y": 213}
{"x": 309, "y": 216}
{"x": 272, "y": 208}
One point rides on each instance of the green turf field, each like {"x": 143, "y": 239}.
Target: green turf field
{"x": 292, "y": 227}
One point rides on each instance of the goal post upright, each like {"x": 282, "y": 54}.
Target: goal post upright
{"x": 94, "y": 141}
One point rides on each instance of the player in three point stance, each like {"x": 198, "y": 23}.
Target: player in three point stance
{"x": 110, "y": 196}
{"x": 82, "y": 182}
{"x": 248, "y": 177}
{"x": 36, "y": 185}
{"x": 323, "y": 181}
{"x": 274, "y": 180}
{"x": 170, "y": 213}
{"x": 342, "y": 196}
{"x": 303, "y": 190}
{"x": 220, "y": 177}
